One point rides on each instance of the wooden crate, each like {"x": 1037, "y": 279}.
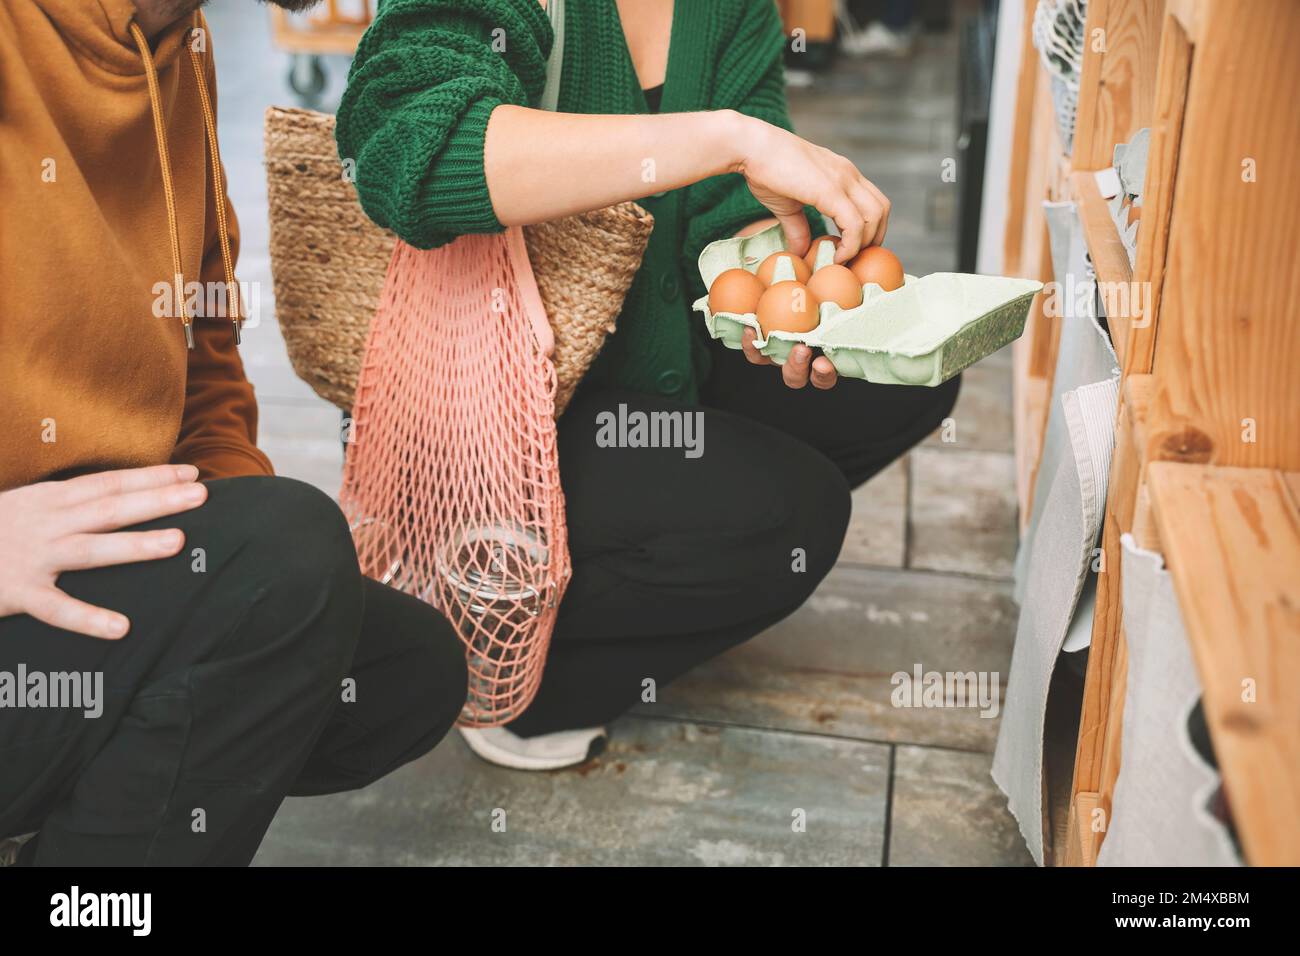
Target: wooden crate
{"x": 1208, "y": 369}
{"x": 333, "y": 29}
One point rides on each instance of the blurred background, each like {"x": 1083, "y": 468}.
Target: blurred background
{"x": 799, "y": 718}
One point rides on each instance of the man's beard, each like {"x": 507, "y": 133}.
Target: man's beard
{"x": 173, "y": 10}
{"x": 293, "y": 6}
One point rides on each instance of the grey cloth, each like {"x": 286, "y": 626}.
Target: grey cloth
{"x": 1084, "y": 356}
{"x": 1056, "y": 554}
{"x": 1159, "y": 812}
{"x": 1062, "y": 552}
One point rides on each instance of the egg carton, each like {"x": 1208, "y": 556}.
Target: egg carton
{"x": 923, "y": 333}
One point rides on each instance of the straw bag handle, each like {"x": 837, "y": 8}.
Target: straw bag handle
{"x": 555, "y": 63}
{"x": 518, "y": 251}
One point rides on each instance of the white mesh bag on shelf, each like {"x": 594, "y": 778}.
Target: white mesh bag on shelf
{"x": 1059, "y": 36}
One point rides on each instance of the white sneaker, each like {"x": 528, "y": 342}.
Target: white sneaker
{"x": 877, "y": 39}
{"x": 564, "y": 748}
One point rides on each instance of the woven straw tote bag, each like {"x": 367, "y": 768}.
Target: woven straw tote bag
{"x": 328, "y": 260}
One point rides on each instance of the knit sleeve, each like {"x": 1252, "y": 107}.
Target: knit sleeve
{"x": 425, "y": 79}
{"x": 750, "y": 79}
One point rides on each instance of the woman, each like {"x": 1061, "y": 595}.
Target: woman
{"x": 680, "y": 106}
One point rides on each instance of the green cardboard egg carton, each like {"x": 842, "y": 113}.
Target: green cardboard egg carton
{"x": 921, "y": 334}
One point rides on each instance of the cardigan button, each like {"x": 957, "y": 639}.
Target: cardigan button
{"x": 668, "y": 286}
{"x": 671, "y": 381}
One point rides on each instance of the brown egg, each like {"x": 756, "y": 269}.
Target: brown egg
{"x": 877, "y": 264}
{"x": 787, "y": 307}
{"x": 836, "y": 284}
{"x": 768, "y": 267}
{"x": 736, "y": 291}
{"x": 811, "y": 257}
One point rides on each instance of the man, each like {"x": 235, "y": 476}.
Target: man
{"x": 184, "y": 639}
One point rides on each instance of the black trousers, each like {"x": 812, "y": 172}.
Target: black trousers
{"x": 677, "y": 559}
{"x": 229, "y": 691}
{"x": 261, "y": 667}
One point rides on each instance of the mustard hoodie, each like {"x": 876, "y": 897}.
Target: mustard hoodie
{"x": 91, "y": 377}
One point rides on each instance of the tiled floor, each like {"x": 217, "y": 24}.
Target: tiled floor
{"x": 787, "y": 750}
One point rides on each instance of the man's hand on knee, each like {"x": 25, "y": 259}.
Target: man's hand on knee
{"x": 56, "y": 526}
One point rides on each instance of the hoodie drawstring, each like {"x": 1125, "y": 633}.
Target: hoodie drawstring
{"x": 218, "y": 185}
{"x": 169, "y": 193}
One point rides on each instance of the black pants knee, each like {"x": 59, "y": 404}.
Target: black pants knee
{"x": 258, "y": 664}
{"x": 678, "y": 559}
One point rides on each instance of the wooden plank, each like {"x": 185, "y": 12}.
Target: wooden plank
{"x": 330, "y": 34}
{"x": 1172, "y": 74}
{"x": 1229, "y": 343}
{"x": 1021, "y": 152}
{"x": 1130, "y": 443}
{"x": 1096, "y": 758}
{"x": 1037, "y": 186}
{"x": 1096, "y": 710}
{"x": 1031, "y": 398}
{"x": 1117, "y": 85}
{"x": 1112, "y": 739}
{"x": 1146, "y": 534}
{"x": 1231, "y": 540}
{"x": 1184, "y": 11}
{"x": 1039, "y": 171}
{"x": 815, "y": 17}
{"x": 1033, "y": 386}
{"x": 1133, "y": 503}
{"x": 1292, "y": 479}
{"x": 1045, "y": 340}
{"x": 1109, "y": 259}
{"x": 1080, "y": 849}
{"x": 1106, "y": 249}
{"x": 1086, "y": 120}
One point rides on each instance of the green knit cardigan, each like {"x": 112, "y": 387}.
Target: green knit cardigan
{"x": 428, "y": 73}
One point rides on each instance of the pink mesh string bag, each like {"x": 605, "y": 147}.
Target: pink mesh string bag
{"x": 452, "y": 482}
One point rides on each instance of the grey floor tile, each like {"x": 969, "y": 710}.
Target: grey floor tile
{"x": 982, "y": 419}
{"x": 305, "y": 465}
{"x": 1001, "y": 358}
{"x": 295, "y": 418}
{"x": 963, "y": 511}
{"x": 302, "y": 440}
{"x": 878, "y": 526}
{"x": 664, "y": 793}
{"x": 829, "y": 668}
{"x": 266, "y": 362}
{"x": 948, "y": 812}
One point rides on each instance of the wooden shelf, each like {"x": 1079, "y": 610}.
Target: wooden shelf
{"x": 1081, "y": 849}
{"x": 1203, "y": 324}
{"x": 1231, "y": 539}
{"x": 322, "y": 34}
{"x": 1117, "y": 86}
{"x": 1109, "y": 257}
